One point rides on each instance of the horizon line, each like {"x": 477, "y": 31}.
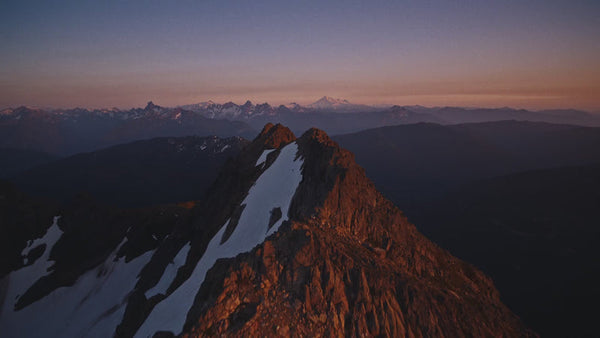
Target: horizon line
{"x": 256, "y": 102}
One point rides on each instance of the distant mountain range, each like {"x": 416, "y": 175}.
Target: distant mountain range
{"x": 371, "y": 116}
{"x": 66, "y": 132}
{"x": 249, "y": 110}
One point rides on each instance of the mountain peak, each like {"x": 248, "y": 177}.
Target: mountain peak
{"x": 151, "y": 106}
{"x": 342, "y": 243}
{"x": 273, "y": 136}
{"x": 318, "y": 135}
{"x": 328, "y": 101}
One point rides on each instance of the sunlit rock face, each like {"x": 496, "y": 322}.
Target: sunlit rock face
{"x": 294, "y": 240}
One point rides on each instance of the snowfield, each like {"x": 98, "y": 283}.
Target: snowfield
{"x": 92, "y": 307}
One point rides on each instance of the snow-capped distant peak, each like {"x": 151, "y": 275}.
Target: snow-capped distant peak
{"x": 329, "y": 102}
{"x": 205, "y": 104}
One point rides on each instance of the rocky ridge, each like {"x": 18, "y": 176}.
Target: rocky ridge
{"x": 346, "y": 263}
{"x": 337, "y": 258}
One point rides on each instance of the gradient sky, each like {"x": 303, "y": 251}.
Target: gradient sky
{"x": 526, "y": 54}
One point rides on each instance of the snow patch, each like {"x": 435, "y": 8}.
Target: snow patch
{"x": 92, "y": 307}
{"x": 169, "y": 274}
{"x": 263, "y": 156}
{"x": 24, "y": 278}
{"x": 274, "y": 188}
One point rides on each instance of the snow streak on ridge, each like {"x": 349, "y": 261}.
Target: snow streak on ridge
{"x": 169, "y": 273}
{"x": 263, "y": 156}
{"x": 275, "y": 188}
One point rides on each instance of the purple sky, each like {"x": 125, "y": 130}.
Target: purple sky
{"x": 525, "y": 54}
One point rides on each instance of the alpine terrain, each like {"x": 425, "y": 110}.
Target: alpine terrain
{"x": 291, "y": 239}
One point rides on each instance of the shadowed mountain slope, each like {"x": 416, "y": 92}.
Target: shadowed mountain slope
{"x": 537, "y": 234}
{"x": 410, "y": 163}
{"x": 162, "y": 170}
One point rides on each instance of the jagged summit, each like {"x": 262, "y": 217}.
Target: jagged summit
{"x": 151, "y": 106}
{"x": 319, "y": 136}
{"x": 343, "y": 252}
{"x": 274, "y": 136}
{"x": 339, "y": 254}
{"x": 293, "y": 239}
{"x": 331, "y": 100}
